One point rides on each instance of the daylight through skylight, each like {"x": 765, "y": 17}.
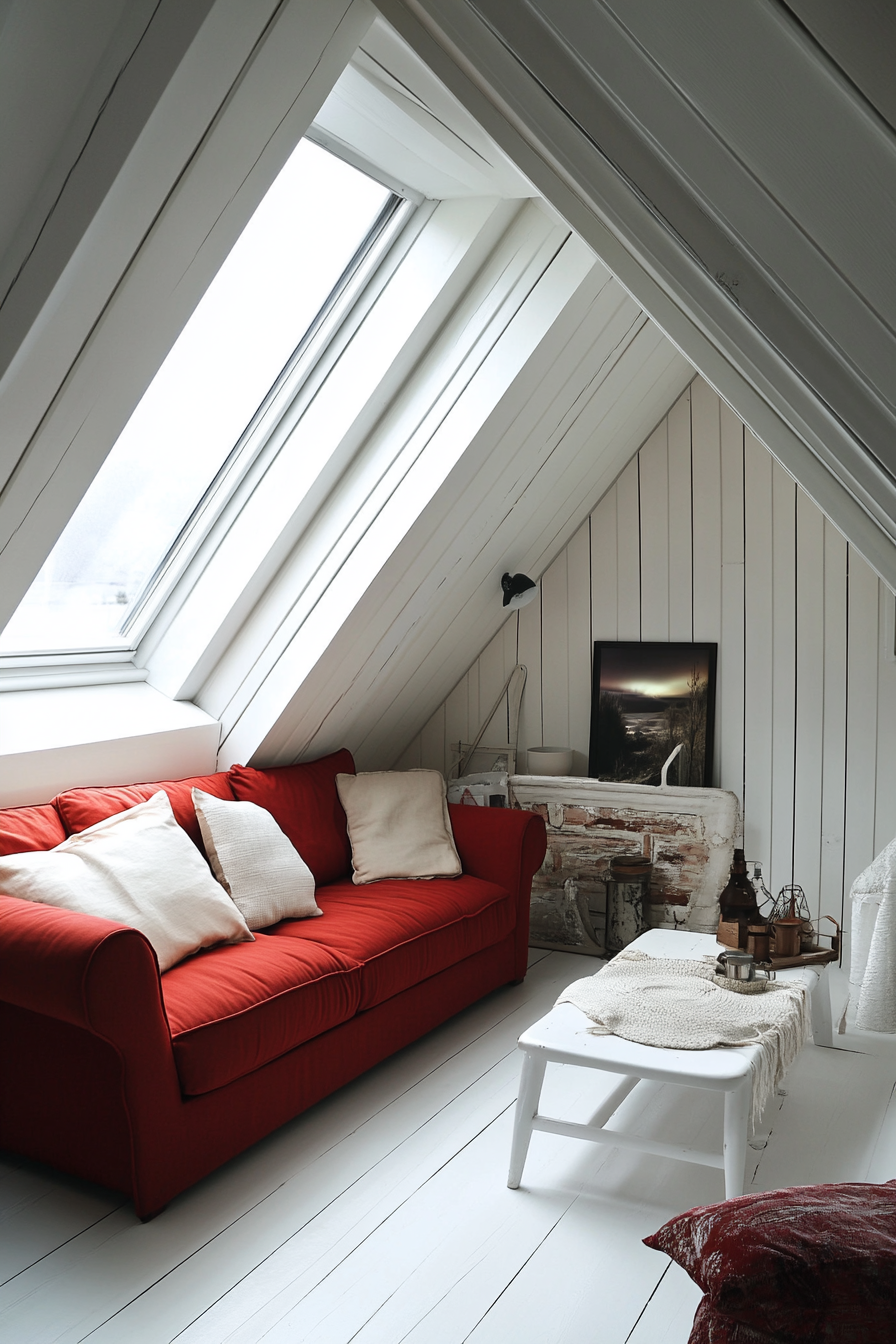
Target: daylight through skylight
{"x": 280, "y": 273}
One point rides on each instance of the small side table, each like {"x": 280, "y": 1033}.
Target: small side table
{"x": 562, "y": 1037}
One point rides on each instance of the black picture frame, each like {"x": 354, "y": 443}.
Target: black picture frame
{"x": 645, "y": 699}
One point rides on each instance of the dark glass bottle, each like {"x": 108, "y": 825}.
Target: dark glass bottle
{"x": 737, "y": 902}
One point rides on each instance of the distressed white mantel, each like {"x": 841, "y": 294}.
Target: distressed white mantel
{"x": 689, "y": 835}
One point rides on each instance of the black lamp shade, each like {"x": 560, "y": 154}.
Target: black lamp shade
{"x": 518, "y": 590}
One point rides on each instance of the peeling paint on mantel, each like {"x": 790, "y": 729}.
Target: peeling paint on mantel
{"x": 688, "y": 834}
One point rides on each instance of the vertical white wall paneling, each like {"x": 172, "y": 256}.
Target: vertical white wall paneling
{"x": 492, "y": 676}
{"x": 759, "y": 651}
{"x": 885, "y": 792}
{"x": 580, "y": 645}
{"x": 806, "y": 703}
{"x": 707, "y": 514}
{"x": 730, "y": 686}
{"x": 411, "y": 757}
{"x": 861, "y": 716}
{"x": 833, "y": 790}
{"x": 681, "y": 557}
{"x": 810, "y": 676}
{"x": 528, "y": 652}
{"x": 783, "y": 674}
{"x": 432, "y": 742}
{"x": 457, "y": 727}
{"x": 555, "y": 654}
{"x": 653, "y": 485}
{"x": 604, "y": 568}
{"x": 628, "y": 553}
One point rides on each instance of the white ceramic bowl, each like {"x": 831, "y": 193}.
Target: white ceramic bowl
{"x": 549, "y": 760}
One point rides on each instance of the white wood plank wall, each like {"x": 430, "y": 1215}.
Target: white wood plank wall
{"x": 704, "y": 536}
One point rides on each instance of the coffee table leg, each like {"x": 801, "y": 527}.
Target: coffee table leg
{"x": 531, "y": 1079}
{"x": 737, "y": 1128}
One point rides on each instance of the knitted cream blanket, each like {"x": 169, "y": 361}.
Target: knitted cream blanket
{"x": 674, "y": 1004}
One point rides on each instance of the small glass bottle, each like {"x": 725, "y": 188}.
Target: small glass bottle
{"x": 764, "y": 899}
{"x": 738, "y": 903}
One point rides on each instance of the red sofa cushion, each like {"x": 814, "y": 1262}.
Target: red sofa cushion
{"x": 80, "y": 808}
{"x": 808, "y": 1263}
{"x": 232, "y": 1009}
{"x": 403, "y": 932}
{"x": 303, "y": 801}
{"x": 24, "y": 829}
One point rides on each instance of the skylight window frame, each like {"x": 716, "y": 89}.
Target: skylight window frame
{"x": 257, "y": 440}
{"x": 258, "y": 443}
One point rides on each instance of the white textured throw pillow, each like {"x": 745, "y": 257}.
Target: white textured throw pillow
{"x": 266, "y": 877}
{"x": 138, "y": 868}
{"x": 398, "y": 824}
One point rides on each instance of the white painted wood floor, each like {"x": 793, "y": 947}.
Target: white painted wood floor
{"x": 382, "y": 1215}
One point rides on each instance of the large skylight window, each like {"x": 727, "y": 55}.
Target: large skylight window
{"x": 284, "y": 270}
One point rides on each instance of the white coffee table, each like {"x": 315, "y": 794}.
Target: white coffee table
{"x": 562, "y": 1037}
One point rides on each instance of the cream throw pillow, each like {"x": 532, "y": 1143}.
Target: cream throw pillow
{"x": 398, "y": 824}
{"x": 138, "y": 868}
{"x": 265, "y": 876}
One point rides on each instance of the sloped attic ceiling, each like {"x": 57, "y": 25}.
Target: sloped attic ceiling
{"x": 735, "y": 166}
{"x": 569, "y": 381}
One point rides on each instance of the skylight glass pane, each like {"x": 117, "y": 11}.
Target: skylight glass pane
{"x": 280, "y": 273}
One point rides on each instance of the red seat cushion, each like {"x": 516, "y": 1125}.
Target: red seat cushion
{"x": 232, "y": 1009}
{"x": 80, "y": 808}
{"x": 24, "y": 829}
{"x": 403, "y": 932}
{"x": 303, "y": 801}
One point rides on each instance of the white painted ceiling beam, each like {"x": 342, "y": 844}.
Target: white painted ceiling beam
{"x": 693, "y": 146}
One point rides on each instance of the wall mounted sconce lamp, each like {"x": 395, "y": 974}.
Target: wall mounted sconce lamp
{"x": 519, "y": 590}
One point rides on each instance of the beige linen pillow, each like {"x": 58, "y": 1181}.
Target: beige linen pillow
{"x": 398, "y": 825}
{"x": 262, "y": 872}
{"x": 139, "y": 868}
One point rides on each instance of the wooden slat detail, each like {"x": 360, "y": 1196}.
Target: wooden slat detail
{"x": 861, "y": 717}
{"x": 730, "y": 692}
{"x": 580, "y": 646}
{"x": 529, "y": 654}
{"x": 457, "y": 721}
{"x": 555, "y": 654}
{"x": 759, "y": 585}
{"x": 707, "y": 514}
{"x": 681, "y": 557}
{"x": 783, "y": 651}
{"x": 809, "y": 770}
{"x": 411, "y": 757}
{"x": 833, "y": 791}
{"x": 604, "y": 568}
{"x": 628, "y": 554}
{"x": 432, "y": 742}
{"x": 885, "y": 793}
{"x": 653, "y": 486}
{"x": 705, "y": 536}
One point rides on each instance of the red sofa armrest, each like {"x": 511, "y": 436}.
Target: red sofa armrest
{"x": 90, "y": 972}
{"x": 506, "y": 847}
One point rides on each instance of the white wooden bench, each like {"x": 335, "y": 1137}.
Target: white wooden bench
{"x": 562, "y": 1037}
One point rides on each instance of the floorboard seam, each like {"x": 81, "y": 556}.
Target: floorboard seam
{"x": 520, "y": 1268}
{"x": 324, "y": 1207}
{"x": 372, "y": 1231}
{"x": 74, "y": 1237}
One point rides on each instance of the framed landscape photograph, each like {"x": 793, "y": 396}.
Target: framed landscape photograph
{"x": 646, "y": 699}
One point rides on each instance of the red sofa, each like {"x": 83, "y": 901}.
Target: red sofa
{"x": 147, "y": 1083}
